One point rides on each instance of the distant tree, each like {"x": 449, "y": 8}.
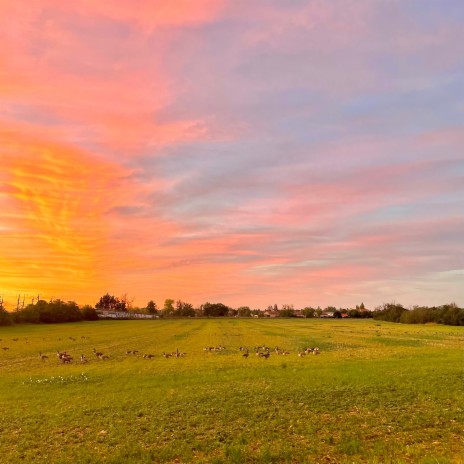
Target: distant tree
{"x": 287, "y": 311}
{"x": 127, "y": 302}
{"x": 318, "y": 311}
{"x": 215, "y": 309}
{"x": 50, "y": 312}
{"x": 337, "y": 314}
{"x": 244, "y": 311}
{"x": 390, "y": 312}
{"x": 357, "y": 313}
{"x": 362, "y": 306}
{"x": 232, "y": 312}
{"x": 199, "y": 311}
{"x": 89, "y": 313}
{"x": 168, "y": 308}
{"x": 449, "y": 314}
{"x": 30, "y": 314}
{"x": 353, "y": 313}
{"x": 452, "y": 314}
{"x": 309, "y": 312}
{"x": 137, "y": 309}
{"x": 110, "y": 303}
{"x": 184, "y": 309}
{"x": 151, "y": 307}
{"x": 64, "y": 311}
{"x": 5, "y": 318}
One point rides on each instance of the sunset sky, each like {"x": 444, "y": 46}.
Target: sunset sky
{"x": 302, "y": 152}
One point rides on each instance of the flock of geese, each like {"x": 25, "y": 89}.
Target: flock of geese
{"x": 66, "y": 358}
{"x": 265, "y": 352}
{"x": 261, "y": 351}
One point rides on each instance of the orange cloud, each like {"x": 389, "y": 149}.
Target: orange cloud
{"x": 54, "y": 202}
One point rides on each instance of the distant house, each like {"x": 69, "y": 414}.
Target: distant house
{"x": 271, "y": 313}
{"x": 327, "y": 314}
{"x": 102, "y": 314}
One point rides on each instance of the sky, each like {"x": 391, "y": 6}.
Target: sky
{"x": 303, "y": 152}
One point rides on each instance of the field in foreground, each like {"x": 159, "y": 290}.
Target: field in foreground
{"x": 377, "y": 393}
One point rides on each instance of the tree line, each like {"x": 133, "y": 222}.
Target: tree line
{"x": 448, "y": 314}
{"x": 55, "y": 311}
{"x": 48, "y": 312}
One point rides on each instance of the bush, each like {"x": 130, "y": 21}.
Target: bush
{"x": 5, "y": 318}
{"x": 89, "y": 313}
{"x": 49, "y": 313}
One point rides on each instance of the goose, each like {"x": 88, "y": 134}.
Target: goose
{"x": 66, "y": 359}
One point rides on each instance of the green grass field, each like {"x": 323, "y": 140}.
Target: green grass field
{"x": 377, "y": 393}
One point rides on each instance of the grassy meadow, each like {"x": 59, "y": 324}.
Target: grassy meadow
{"x": 378, "y": 393}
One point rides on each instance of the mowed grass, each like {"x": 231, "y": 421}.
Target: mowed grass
{"x": 377, "y": 393}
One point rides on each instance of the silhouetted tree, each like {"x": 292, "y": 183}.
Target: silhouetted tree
{"x": 111, "y": 303}
{"x": 184, "y": 309}
{"x": 244, "y": 311}
{"x": 5, "y": 318}
{"x": 151, "y": 307}
{"x": 215, "y": 309}
{"x": 89, "y": 313}
{"x": 49, "y": 312}
{"x": 390, "y": 312}
{"x": 287, "y": 311}
{"x": 168, "y": 308}
{"x": 308, "y": 312}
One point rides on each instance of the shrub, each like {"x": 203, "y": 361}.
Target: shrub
{"x": 5, "y": 318}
